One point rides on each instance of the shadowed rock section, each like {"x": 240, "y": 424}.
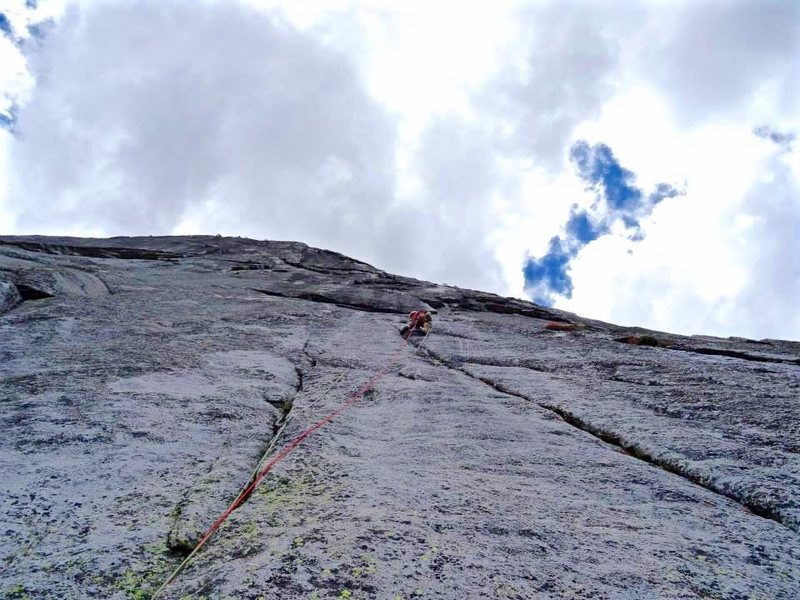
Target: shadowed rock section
{"x": 30, "y": 276}
{"x": 9, "y": 296}
{"x": 522, "y": 452}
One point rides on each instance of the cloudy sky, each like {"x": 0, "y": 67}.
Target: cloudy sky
{"x": 635, "y": 162}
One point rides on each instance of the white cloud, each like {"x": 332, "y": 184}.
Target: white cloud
{"x": 144, "y": 110}
{"x": 14, "y": 77}
{"x": 712, "y": 258}
{"x": 6, "y": 218}
{"x": 712, "y": 59}
{"x": 431, "y": 138}
{"x": 177, "y": 117}
{"x": 564, "y": 70}
{"x": 689, "y": 119}
{"x": 767, "y": 304}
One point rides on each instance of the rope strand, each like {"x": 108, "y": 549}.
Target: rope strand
{"x": 259, "y": 475}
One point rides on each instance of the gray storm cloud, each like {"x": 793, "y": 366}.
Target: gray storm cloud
{"x": 569, "y": 68}
{"x": 147, "y": 114}
{"x": 767, "y": 305}
{"x": 146, "y": 111}
{"x": 712, "y": 57}
{"x": 708, "y": 59}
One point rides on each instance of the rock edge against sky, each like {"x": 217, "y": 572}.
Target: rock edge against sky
{"x": 141, "y": 380}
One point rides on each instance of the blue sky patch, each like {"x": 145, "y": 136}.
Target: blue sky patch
{"x": 5, "y": 26}
{"x": 581, "y": 227}
{"x": 664, "y": 191}
{"x": 550, "y": 271}
{"x": 40, "y": 29}
{"x": 618, "y": 200}
{"x": 6, "y": 122}
{"x": 598, "y": 167}
{"x": 9, "y": 119}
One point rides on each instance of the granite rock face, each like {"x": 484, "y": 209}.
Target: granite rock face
{"x": 517, "y": 452}
{"x": 9, "y": 296}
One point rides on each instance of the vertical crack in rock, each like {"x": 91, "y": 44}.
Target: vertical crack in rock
{"x": 145, "y": 412}
{"x": 286, "y": 406}
{"x": 185, "y": 532}
{"x": 614, "y": 439}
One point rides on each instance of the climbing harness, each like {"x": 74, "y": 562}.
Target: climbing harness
{"x": 419, "y": 319}
{"x": 262, "y": 471}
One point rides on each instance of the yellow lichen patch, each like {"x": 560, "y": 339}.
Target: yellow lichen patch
{"x": 429, "y": 554}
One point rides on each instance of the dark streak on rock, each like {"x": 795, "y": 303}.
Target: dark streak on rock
{"x": 31, "y": 293}
{"x": 737, "y": 354}
{"x": 315, "y": 297}
{"x": 93, "y": 251}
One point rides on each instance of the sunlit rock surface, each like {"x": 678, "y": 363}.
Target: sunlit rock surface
{"x": 142, "y": 379}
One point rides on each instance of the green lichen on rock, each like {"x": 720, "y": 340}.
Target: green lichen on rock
{"x": 18, "y": 592}
{"x": 140, "y": 581}
{"x": 514, "y": 450}
{"x": 251, "y": 531}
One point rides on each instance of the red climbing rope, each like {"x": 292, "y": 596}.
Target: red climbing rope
{"x": 294, "y": 443}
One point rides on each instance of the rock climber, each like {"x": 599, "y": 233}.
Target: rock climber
{"x": 418, "y": 320}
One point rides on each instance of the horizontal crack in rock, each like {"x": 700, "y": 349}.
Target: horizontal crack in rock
{"x": 740, "y": 355}
{"x": 315, "y": 297}
{"x": 94, "y": 251}
{"x": 649, "y": 340}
